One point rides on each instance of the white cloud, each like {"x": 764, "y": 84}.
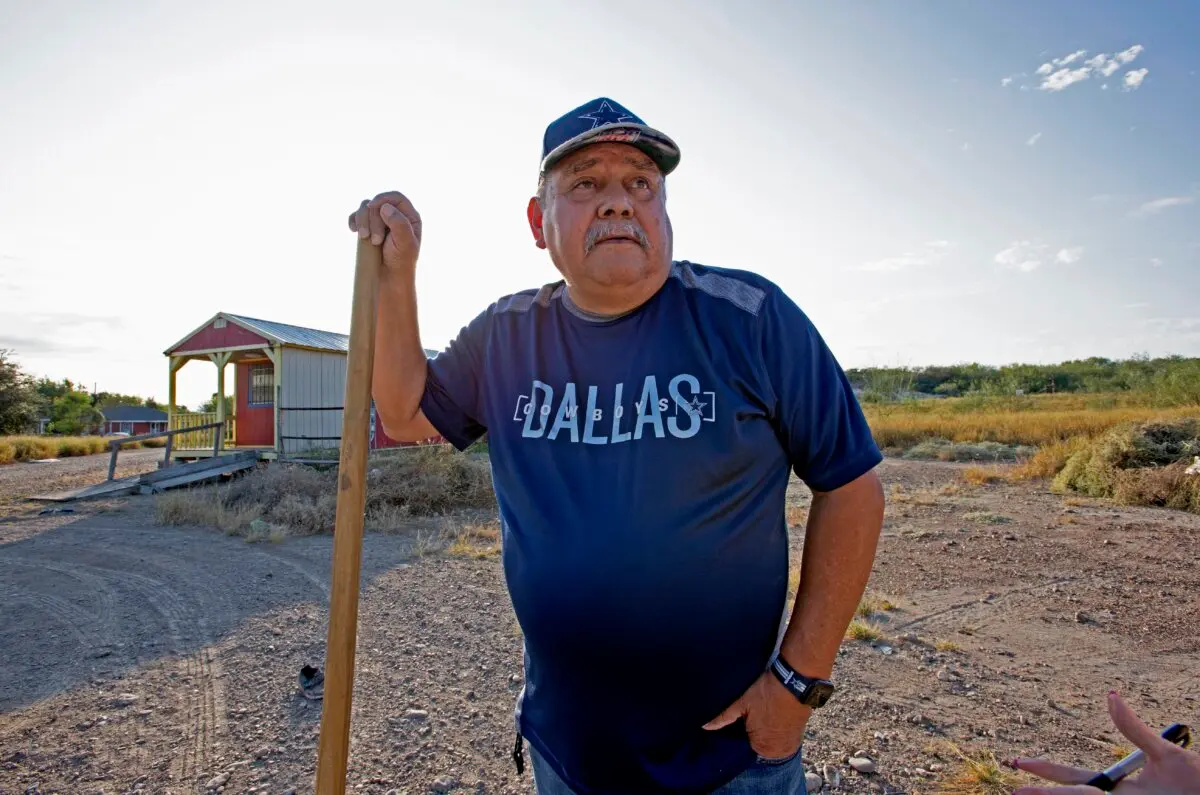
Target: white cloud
{"x": 1021, "y": 255}
{"x": 966, "y": 147}
{"x": 1033, "y": 139}
{"x": 1064, "y": 78}
{"x": 1069, "y": 256}
{"x": 1158, "y": 205}
{"x": 930, "y": 253}
{"x": 1004, "y": 81}
{"x": 1155, "y": 262}
{"x": 1069, "y": 59}
{"x": 1134, "y": 78}
{"x": 1127, "y": 56}
{"x": 1056, "y": 74}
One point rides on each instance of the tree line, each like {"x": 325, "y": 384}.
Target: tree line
{"x": 1172, "y": 379}
{"x": 71, "y": 408}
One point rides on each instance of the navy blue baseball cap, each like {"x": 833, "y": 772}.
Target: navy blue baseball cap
{"x": 605, "y": 120}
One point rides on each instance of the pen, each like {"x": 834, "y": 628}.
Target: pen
{"x": 1109, "y": 778}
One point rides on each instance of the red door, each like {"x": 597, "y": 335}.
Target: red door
{"x": 255, "y": 426}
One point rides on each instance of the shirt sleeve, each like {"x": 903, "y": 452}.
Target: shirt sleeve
{"x": 816, "y": 413}
{"x": 452, "y": 401}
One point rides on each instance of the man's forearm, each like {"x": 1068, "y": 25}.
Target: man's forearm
{"x": 839, "y": 549}
{"x": 398, "y": 374}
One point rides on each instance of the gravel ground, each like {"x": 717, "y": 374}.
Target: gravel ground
{"x": 165, "y": 659}
{"x": 18, "y": 481}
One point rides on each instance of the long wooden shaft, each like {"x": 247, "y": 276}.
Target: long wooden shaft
{"x": 348, "y": 528}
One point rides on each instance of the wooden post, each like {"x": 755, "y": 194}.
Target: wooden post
{"x": 167, "y": 454}
{"x": 173, "y": 368}
{"x": 112, "y": 462}
{"x": 348, "y": 526}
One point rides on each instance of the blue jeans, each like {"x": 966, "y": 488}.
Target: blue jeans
{"x": 764, "y": 777}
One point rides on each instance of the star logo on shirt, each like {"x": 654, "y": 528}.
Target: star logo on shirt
{"x": 606, "y": 114}
{"x": 696, "y": 405}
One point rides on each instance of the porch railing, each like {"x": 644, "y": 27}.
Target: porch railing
{"x": 201, "y": 438}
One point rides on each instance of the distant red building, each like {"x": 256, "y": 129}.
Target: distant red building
{"x": 133, "y": 420}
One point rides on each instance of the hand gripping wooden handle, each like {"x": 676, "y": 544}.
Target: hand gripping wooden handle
{"x": 348, "y": 527}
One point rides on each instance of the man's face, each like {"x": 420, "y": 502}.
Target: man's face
{"x": 604, "y": 218}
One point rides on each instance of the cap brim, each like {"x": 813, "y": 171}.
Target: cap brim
{"x": 657, "y": 145}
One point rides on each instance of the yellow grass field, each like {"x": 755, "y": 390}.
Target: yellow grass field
{"x": 30, "y": 448}
{"x": 1034, "y": 420}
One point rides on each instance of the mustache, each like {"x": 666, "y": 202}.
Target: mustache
{"x": 608, "y": 229}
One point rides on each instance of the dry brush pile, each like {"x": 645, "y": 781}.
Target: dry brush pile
{"x": 280, "y": 500}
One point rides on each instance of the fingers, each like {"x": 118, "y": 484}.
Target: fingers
{"x": 1053, "y": 771}
{"x": 731, "y": 714}
{"x": 1132, "y": 727}
{"x": 399, "y": 200}
{"x": 1077, "y": 789}
{"x": 356, "y": 217}
{"x": 360, "y": 222}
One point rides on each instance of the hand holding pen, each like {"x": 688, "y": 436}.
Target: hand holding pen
{"x": 1169, "y": 768}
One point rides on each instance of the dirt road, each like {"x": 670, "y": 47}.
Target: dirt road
{"x": 165, "y": 659}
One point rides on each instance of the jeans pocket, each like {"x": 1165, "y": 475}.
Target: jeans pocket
{"x": 763, "y": 761}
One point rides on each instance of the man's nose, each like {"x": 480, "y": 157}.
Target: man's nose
{"x": 615, "y": 204}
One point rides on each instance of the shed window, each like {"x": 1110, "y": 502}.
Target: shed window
{"x": 262, "y": 385}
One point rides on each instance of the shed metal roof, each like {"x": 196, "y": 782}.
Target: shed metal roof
{"x": 287, "y": 334}
{"x": 295, "y": 335}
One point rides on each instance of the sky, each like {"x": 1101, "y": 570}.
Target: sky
{"x": 931, "y": 182}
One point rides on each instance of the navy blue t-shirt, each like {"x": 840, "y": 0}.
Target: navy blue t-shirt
{"x": 640, "y": 465}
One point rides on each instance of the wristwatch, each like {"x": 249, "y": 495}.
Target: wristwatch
{"x": 810, "y": 692}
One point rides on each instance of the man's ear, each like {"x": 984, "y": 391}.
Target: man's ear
{"x": 534, "y": 213}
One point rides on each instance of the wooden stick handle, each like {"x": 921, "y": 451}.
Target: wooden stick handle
{"x": 348, "y": 527}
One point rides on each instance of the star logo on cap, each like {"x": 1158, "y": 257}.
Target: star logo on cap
{"x": 606, "y": 114}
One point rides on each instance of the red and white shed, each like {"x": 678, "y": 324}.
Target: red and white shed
{"x": 289, "y": 387}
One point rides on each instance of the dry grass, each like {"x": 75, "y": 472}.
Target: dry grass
{"x": 981, "y": 476}
{"x": 977, "y": 774}
{"x": 871, "y": 604}
{"x": 476, "y": 541}
{"x": 898, "y": 494}
{"x": 983, "y": 517}
{"x": 1142, "y": 464}
{"x": 863, "y": 630}
{"x": 32, "y": 448}
{"x": 947, "y": 645}
{"x": 288, "y": 499}
{"x": 946, "y": 450}
{"x": 1033, "y": 420}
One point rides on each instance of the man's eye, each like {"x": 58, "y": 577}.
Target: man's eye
{"x": 584, "y": 183}
{"x": 641, "y": 182}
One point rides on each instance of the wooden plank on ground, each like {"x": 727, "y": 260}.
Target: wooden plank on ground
{"x": 196, "y": 477}
{"x": 180, "y": 470}
{"x": 109, "y": 488}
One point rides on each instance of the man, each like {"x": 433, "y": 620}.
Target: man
{"x": 643, "y": 416}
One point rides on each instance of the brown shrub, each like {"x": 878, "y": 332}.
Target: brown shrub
{"x": 1140, "y": 464}
{"x": 296, "y": 499}
{"x": 979, "y": 476}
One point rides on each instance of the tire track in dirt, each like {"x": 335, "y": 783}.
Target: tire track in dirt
{"x": 203, "y": 714}
{"x": 100, "y": 593}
